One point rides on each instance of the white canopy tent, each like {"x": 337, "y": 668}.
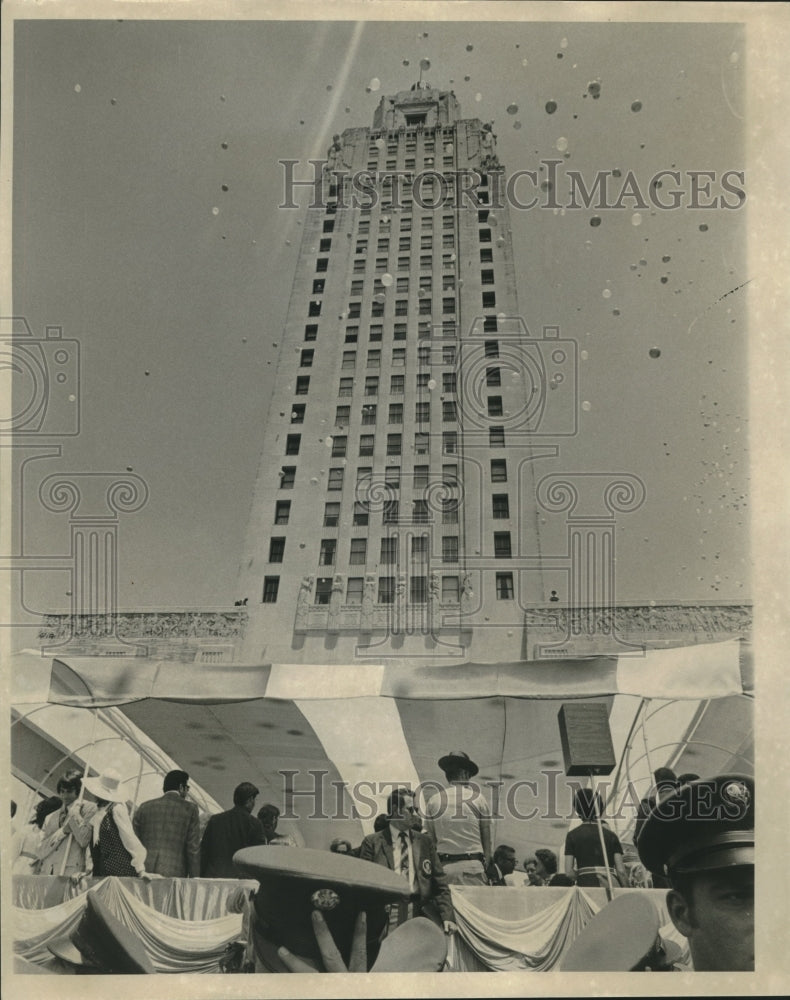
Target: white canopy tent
{"x": 320, "y": 740}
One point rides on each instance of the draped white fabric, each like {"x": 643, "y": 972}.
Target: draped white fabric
{"x": 174, "y": 944}
{"x": 512, "y": 929}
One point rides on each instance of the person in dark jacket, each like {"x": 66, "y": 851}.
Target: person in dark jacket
{"x": 504, "y": 863}
{"x": 229, "y": 831}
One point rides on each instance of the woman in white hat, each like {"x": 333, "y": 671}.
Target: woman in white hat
{"x": 116, "y": 848}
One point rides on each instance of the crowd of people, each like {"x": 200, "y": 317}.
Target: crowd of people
{"x": 88, "y": 827}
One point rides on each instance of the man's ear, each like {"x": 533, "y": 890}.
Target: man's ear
{"x": 680, "y": 912}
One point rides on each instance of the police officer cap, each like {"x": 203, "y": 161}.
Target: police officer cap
{"x": 704, "y": 826}
{"x": 622, "y": 937}
{"x": 101, "y": 943}
{"x": 296, "y": 881}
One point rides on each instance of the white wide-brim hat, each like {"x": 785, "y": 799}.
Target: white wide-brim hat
{"x": 108, "y": 786}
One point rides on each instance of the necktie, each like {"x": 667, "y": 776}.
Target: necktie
{"x": 404, "y": 856}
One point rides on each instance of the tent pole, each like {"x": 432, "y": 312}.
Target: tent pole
{"x": 645, "y": 703}
{"x": 137, "y": 786}
{"x": 610, "y": 887}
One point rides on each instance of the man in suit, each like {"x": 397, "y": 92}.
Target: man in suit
{"x": 399, "y": 847}
{"x": 229, "y": 831}
{"x": 504, "y": 863}
{"x": 169, "y": 829}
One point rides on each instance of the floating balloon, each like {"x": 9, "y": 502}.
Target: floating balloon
{"x": 469, "y": 48}
{"x": 478, "y": 97}
{"x": 595, "y": 220}
{"x": 516, "y": 124}
{"x": 594, "y": 89}
{"x": 561, "y": 144}
{"x": 375, "y": 83}
{"x": 512, "y": 109}
{"x": 551, "y": 107}
{"x": 636, "y": 106}
{"x": 607, "y": 293}
{"x": 215, "y": 210}
{"x": 636, "y": 219}
{"x": 224, "y": 145}
{"x": 425, "y": 63}
{"x": 386, "y": 280}
{"x": 432, "y": 383}
{"x": 587, "y": 406}
{"x": 654, "y": 352}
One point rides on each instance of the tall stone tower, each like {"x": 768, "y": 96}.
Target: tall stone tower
{"x": 394, "y": 512}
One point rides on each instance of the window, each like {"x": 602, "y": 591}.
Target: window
{"x": 450, "y": 475}
{"x": 495, "y": 406}
{"x": 502, "y": 544}
{"x": 395, "y": 413}
{"x": 487, "y": 277}
{"x": 493, "y": 376}
{"x": 359, "y": 265}
{"x": 424, "y": 307}
{"x": 426, "y": 242}
{"x": 361, "y": 247}
{"x": 448, "y": 282}
{"x": 426, "y": 283}
{"x": 450, "y": 548}
{"x": 366, "y": 445}
{"x": 448, "y": 354}
{"x": 504, "y": 586}
{"x": 399, "y": 331}
{"x": 342, "y": 416}
{"x": 491, "y": 349}
{"x": 450, "y": 442}
{"x": 448, "y": 241}
{"x": 297, "y": 413}
{"x": 306, "y": 360}
{"x": 354, "y": 310}
{"x": 392, "y": 477}
{"x": 421, "y": 476}
{"x": 423, "y": 329}
{"x": 376, "y": 332}
{"x": 489, "y": 300}
{"x": 422, "y": 380}
{"x": 419, "y": 547}
{"x": 500, "y": 506}
{"x": 398, "y": 357}
{"x": 448, "y": 410}
{"x": 271, "y": 584}
{"x": 402, "y": 285}
{"x": 419, "y": 512}
{"x": 329, "y": 225}
{"x": 369, "y": 414}
{"x": 372, "y": 385}
{"x": 282, "y": 511}
{"x": 314, "y": 309}
{"x": 401, "y": 307}
{"x": 276, "y": 549}
{"x": 485, "y": 235}
{"x": 486, "y": 255}
{"x": 339, "y": 446}
{"x": 361, "y": 514}
{"x": 447, "y": 222}
{"x": 422, "y": 413}
{"x": 358, "y": 553}
{"x": 490, "y": 325}
{"x": 377, "y": 308}
{"x": 404, "y": 243}
{"x": 364, "y": 227}
{"x": 349, "y": 360}
{"x": 386, "y": 589}
{"x": 498, "y": 470}
{"x": 393, "y": 444}
{"x": 403, "y": 263}
{"x": 356, "y": 286}
{"x": 496, "y": 437}
{"x": 388, "y": 555}
{"x": 287, "y": 477}
{"x": 323, "y": 589}
{"x": 482, "y": 215}
{"x": 321, "y": 266}
{"x": 421, "y": 443}
{"x": 391, "y": 512}
{"x": 426, "y": 261}
{"x": 346, "y": 387}
{"x": 450, "y": 590}
{"x": 354, "y": 590}
{"x": 450, "y": 511}
{"x": 405, "y": 225}
{"x": 374, "y": 359}
{"x": 448, "y": 382}
{"x": 331, "y": 515}
{"x": 383, "y": 245}
{"x": 292, "y": 443}
{"x": 318, "y": 283}
{"x": 448, "y": 328}
{"x": 326, "y": 556}
{"x": 418, "y": 589}
{"x": 335, "y": 481}
{"x": 363, "y": 472}
{"x": 311, "y": 331}
{"x": 426, "y": 223}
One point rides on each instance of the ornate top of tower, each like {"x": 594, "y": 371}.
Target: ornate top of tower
{"x": 422, "y": 105}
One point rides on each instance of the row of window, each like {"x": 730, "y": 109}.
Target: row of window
{"x": 404, "y": 243}
{"x": 500, "y": 503}
{"x": 388, "y": 553}
{"x": 386, "y": 589}
{"x": 287, "y": 473}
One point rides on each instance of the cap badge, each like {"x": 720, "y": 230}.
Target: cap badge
{"x": 325, "y": 899}
{"x": 427, "y": 868}
{"x": 737, "y": 793}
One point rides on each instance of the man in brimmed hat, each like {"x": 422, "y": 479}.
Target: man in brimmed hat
{"x": 702, "y": 840}
{"x": 458, "y": 821}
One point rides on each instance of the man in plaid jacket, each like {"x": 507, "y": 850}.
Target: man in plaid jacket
{"x": 169, "y": 828}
